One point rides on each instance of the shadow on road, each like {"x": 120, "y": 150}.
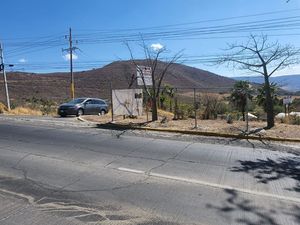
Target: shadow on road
{"x": 244, "y": 211}
{"x": 269, "y": 170}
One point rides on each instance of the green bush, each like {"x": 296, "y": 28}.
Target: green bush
{"x": 278, "y": 109}
{"x": 187, "y": 110}
{"x": 44, "y": 105}
{"x": 223, "y": 108}
{"x": 259, "y": 111}
{"x": 47, "y": 106}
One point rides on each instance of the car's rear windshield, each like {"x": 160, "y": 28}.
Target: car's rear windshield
{"x": 76, "y": 101}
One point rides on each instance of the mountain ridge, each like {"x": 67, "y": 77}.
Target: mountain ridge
{"x": 286, "y": 82}
{"x": 98, "y": 82}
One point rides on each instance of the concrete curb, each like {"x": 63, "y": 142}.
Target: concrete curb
{"x": 202, "y": 133}
{"x": 82, "y": 120}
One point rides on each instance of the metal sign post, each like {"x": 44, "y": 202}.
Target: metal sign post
{"x": 287, "y": 101}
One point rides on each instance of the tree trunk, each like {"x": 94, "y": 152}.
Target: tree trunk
{"x": 154, "y": 109}
{"x": 269, "y": 104}
{"x": 158, "y": 101}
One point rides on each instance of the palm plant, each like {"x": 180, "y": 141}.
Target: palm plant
{"x": 170, "y": 92}
{"x": 240, "y": 94}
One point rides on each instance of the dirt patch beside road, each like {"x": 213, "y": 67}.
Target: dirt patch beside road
{"x": 219, "y": 126}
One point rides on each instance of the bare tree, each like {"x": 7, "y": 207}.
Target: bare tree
{"x": 159, "y": 71}
{"x": 260, "y": 56}
{"x": 211, "y": 103}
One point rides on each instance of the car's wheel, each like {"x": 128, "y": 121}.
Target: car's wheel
{"x": 102, "y": 112}
{"x": 80, "y": 112}
{"x": 63, "y": 115}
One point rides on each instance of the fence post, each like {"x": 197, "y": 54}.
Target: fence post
{"x": 247, "y": 111}
{"x": 111, "y": 100}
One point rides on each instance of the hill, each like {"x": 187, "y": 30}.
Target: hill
{"x": 98, "y": 82}
{"x": 287, "y": 82}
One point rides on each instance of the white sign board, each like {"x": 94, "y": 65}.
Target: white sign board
{"x": 127, "y": 102}
{"x": 144, "y": 73}
{"x": 287, "y": 100}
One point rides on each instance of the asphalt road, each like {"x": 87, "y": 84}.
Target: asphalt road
{"x": 80, "y": 175}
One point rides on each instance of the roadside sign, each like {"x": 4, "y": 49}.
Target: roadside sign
{"x": 127, "y": 102}
{"x": 144, "y": 74}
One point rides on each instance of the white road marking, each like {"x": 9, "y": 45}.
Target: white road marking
{"x": 214, "y": 185}
{"x": 131, "y": 170}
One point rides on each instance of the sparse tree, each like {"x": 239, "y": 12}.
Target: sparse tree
{"x": 159, "y": 70}
{"x": 211, "y": 103}
{"x": 240, "y": 94}
{"x": 260, "y": 56}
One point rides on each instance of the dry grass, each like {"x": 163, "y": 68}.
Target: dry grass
{"x": 22, "y": 111}
{"x": 163, "y": 113}
{"x": 3, "y": 108}
{"x": 237, "y": 127}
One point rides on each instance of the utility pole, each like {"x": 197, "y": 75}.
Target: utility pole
{"x": 71, "y": 64}
{"x": 2, "y": 67}
{"x": 70, "y": 51}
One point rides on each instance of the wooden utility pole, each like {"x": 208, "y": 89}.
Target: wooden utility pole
{"x": 70, "y": 51}
{"x": 2, "y": 67}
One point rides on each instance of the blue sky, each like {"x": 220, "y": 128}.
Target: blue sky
{"x": 33, "y": 31}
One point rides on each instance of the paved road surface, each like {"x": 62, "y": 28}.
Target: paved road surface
{"x": 75, "y": 175}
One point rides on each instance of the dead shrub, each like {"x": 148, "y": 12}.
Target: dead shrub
{"x": 3, "y": 108}
{"x": 292, "y": 119}
{"x": 24, "y": 111}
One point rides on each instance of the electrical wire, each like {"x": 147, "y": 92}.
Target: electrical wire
{"x": 180, "y": 32}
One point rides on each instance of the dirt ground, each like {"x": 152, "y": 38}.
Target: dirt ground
{"x": 237, "y": 127}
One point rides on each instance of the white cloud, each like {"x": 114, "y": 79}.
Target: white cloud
{"x": 67, "y": 57}
{"x": 22, "y": 60}
{"x": 157, "y": 46}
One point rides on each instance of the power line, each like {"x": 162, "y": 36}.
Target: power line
{"x": 199, "y": 22}
{"x": 116, "y": 35}
{"x": 181, "y": 31}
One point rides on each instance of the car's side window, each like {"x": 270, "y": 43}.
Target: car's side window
{"x": 101, "y": 102}
{"x": 98, "y": 102}
{"x": 88, "y": 102}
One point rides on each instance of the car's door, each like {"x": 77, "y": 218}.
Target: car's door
{"x": 101, "y": 106}
{"x": 95, "y": 106}
{"x": 88, "y": 107}
{"x": 98, "y": 105}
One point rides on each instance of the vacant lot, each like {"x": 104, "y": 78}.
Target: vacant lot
{"x": 237, "y": 127}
